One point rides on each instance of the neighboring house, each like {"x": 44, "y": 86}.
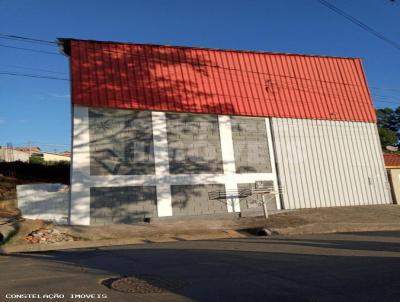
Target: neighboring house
{"x": 32, "y": 151}
{"x": 66, "y": 153}
{"x": 392, "y": 164}
{"x": 161, "y": 130}
{"x": 54, "y": 157}
{"x": 12, "y": 154}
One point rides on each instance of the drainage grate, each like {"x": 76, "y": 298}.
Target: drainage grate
{"x": 143, "y": 284}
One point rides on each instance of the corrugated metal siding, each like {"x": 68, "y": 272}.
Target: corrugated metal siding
{"x": 198, "y": 80}
{"x": 329, "y": 163}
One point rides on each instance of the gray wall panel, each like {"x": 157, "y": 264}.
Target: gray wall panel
{"x": 195, "y": 200}
{"x": 111, "y": 205}
{"x": 121, "y": 142}
{"x": 329, "y": 163}
{"x": 250, "y": 145}
{"x": 193, "y": 143}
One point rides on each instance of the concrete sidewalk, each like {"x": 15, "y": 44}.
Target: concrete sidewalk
{"x": 308, "y": 221}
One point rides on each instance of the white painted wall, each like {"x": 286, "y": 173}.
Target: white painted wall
{"x": 320, "y": 164}
{"x": 55, "y": 157}
{"x": 329, "y": 163}
{"x": 9, "y": 155}
{"x": 44, "y": 201}
{"x": 81, "y": 180}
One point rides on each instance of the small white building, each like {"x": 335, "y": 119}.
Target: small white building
{"x": 11, "y": 155}
{"x": 55, "y": 157}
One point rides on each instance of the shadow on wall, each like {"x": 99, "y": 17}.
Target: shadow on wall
{"x": 46, "y": 201}
{"x": 105, "y": 75}
{"x": 121, "y": 141}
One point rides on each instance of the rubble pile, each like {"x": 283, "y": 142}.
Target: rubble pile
{"x": 44, "y": 235}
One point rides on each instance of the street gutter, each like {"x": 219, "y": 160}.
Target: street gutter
{"x": 312, "y": 228}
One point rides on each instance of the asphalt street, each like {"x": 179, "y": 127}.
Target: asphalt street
{"x": 334, "y": 267}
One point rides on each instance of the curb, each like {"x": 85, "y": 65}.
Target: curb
{"x": 328, "y": 228}
{"x": 32, "y": 248}
{"x": 320, "y": 228}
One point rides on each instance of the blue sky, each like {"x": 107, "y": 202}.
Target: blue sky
{"x": 38, "y": 110}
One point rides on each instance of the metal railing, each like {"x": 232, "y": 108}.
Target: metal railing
{"x": 267, "y": 193}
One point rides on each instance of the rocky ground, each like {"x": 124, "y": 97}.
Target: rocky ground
{"x": 47, "y": 236}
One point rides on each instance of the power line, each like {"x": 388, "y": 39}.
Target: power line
{"x": 387, "y": 96}
{"x": 163, "y": 60}
{"x": 26, "y": 39}
{"x": 32, "y": 76}
{"x": 376, "y": 98}
{"x": 380, "y": 101}
{"x": 175, "y": 61}
{"x": 220, "y": 67}
{"x": 279, "y": 86}
{"x": 384, "y": 88}
{"x": 305, "y": 89}
{"x": 30, "y": 49}
{"x": 31, "y": 68}
{"x": 360, "y": 24}
{"x": 64, "y": 79}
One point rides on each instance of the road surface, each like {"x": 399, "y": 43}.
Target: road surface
{"x": 335, "y": 267}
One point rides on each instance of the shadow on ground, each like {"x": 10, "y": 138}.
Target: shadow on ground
{"x": 317, "y": 268}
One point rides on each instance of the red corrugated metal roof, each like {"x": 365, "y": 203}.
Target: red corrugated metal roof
{"x": 391, "y": 160}
{"x": 184, "y": 79}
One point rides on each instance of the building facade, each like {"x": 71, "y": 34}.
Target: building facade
{"x": 164, "y": 131}
{"x": 392, "y": 165}
{"x": 56, "y": 157}
{"x": 11, "y": 154}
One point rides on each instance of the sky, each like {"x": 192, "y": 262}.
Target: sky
{"x": 37, "y": 111}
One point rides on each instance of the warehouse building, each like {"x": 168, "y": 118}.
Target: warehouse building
{"x": 164, "y": 131}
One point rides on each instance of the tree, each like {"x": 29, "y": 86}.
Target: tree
{"x": 389, "y": 118}
{"x": 388, "y": 126}
{"x": 388, "y": 137}
{"x": 36, "y": 160}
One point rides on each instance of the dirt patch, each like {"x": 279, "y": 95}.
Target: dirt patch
{"x": 24, "y": 227}
{"x": 285, "y": 220}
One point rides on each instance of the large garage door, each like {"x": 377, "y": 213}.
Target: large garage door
{"x": 195, "y": 200}
{"x": 109, "y": 205}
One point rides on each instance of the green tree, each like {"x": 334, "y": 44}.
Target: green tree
{"x": 36, "y": 160}
{"x": 389, "y": 118}
{"x": 388, "y": 137}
